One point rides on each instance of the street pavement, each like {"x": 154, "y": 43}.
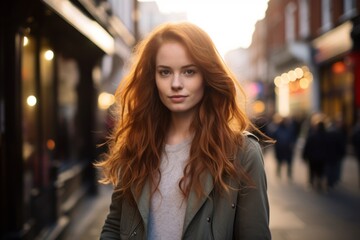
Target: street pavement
{"x": 299, "y": 212}
{"x": 296, "y": 211}
{"x": 89, "y": 217}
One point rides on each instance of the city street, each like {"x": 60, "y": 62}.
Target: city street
{"x": 297, "y": 212}
{"x": 77, "y": 74}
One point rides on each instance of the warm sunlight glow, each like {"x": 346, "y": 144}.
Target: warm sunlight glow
{"x": 230, "y": 23}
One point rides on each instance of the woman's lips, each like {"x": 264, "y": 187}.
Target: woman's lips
{"x": 177, "y": 98}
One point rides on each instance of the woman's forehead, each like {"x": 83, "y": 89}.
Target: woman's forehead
{"x": 173, "y": 53}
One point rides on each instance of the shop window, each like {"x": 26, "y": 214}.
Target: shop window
{"x": 337, "y": 92}
{"x": 326, "y": 11}
{"x": 38, "y": 121}
{"x": 68, "y": 79}
{"x": 304, "y": 18}
{"x": 290, "y": 22}
{"x": 48, "y": 109}
{"x": 30, "y": 127}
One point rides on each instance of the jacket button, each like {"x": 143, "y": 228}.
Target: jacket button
{"x": 134, "y": 233}
{"x": 208, "y": 219}
{"x": 233, "y": 205}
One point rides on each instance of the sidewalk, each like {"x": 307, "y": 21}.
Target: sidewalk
{"x": 88, "y": 219}
{"x": 299, "y": 212}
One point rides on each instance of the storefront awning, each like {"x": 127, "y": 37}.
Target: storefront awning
{"x": 88, "y": 27}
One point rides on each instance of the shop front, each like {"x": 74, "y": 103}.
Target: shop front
{"x": 337, "y": 74}
{"x": 294, "y": 92}
{"x": 294, "y": 83}
{"x": 49, "y": 102}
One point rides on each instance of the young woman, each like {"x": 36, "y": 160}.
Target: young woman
{"x": 181, "y": 158}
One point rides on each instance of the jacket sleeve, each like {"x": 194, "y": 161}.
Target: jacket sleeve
{"x": 252, "y": 212}
{"x": 111, "y": 228}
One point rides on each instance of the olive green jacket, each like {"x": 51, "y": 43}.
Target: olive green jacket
{"x": 242, "y": 215}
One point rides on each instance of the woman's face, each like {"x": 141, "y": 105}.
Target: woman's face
{"x": 179, "y": 81}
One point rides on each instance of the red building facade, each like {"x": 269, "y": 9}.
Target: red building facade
{"x": 320, "y": 40}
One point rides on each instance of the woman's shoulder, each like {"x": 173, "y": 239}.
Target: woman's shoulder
{"x": 250, "y": 136}
{"x": 249, "y": 141}
{"x": 250, "y": 152}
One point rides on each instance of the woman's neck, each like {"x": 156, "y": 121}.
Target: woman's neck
{"x": 179, "y": 129}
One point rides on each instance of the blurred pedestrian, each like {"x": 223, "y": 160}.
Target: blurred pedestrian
{"x": 355, "y": 140}
{"x": 336, "y": 150}
{"x": 315, "y": 153}
{"x": 285, "y": 138}
{"x": 297, "y": 121}
{"x": 180, "y": 158}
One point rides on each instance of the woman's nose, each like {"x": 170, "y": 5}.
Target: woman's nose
{"x": 176, "y": 83}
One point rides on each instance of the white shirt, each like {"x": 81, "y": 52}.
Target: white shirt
{"x": 167, "y": 211}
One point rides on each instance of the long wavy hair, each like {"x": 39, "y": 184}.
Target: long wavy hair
{"x": 138, "y": 138}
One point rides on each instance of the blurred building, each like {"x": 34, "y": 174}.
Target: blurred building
{"x": 311, "y": 50}
{"x": 258, "y": 69}
{"x": 150, "y": 16}
{"x": 60, "y": 64}
{"x": 238, "y": 61}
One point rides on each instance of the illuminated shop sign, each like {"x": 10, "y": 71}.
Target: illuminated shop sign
{"x": 333, "y": 43}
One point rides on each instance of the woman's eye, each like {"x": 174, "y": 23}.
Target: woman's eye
{"x": 164, "y": 72}
{"x": 189, "y": 72}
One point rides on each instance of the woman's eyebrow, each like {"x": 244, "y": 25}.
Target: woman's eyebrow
{"x": 162, "y": 66}
{"x": 186, "y": 66}
{"x": 189, "y": 65}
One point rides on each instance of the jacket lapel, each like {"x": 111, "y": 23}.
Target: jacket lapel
{"x": 194, "y": 204}
{"x": 143, "y": 203}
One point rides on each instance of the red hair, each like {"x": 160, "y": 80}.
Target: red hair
{"x": 138, "y": 139}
